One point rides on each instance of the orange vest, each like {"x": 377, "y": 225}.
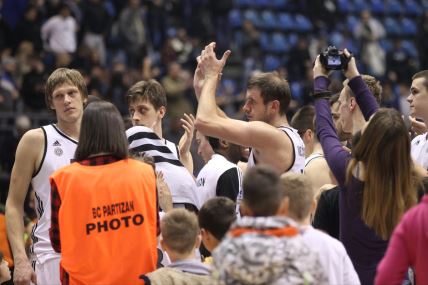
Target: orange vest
{"x": 4, "y": 242}
{"x": 107, "y": 221}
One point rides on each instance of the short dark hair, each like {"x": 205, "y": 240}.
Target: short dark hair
{"x": 102, "y": 131}
{"x": 422, "y": 74}
{"x": 150, "y": 90}
{"x": 272, "y": 87}
{"x": 214, "y": 142}
{"x": 216, "y": 216}
{"x": 303, "y": 120}
{"x": 262, "y": 191}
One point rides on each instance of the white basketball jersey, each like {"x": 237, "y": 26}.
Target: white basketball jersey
{"x": 312, "y": 157}
{"x": 298, "y": 150}
{"x": 419, "y": 150}
{"x": 209, "y": 175}
{"x": 59, "y": 151}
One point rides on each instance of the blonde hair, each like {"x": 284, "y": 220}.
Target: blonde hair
{"x": 180, "y": 229}
{"x": 298, "y": 188}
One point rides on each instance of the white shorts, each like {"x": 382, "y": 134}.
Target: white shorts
{"x": 48, "y": 272}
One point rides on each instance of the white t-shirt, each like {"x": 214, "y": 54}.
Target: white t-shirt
{"x": 59, "y": 34}
{"x": 419, "y": 150}
{"x": 333, "y": 257}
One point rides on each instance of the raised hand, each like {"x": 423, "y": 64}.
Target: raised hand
{"x": 416, "y": 126}
{"x": 211, "y": 66}
{"x": 351, "y": 71}
{"x": 165, "y": 197}
{"x": 189, "y": 130}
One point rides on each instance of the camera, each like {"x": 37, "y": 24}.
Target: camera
{"x": 333, "y": 59}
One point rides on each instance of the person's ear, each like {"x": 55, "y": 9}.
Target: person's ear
{"x": 352, "y": 104}
{"x": 245, "y": 210}
{"x": 223, "y": 144}
{"x": 283, "y": 207}
{"x": 162, "y": 111}
{"x": 162, "y": 244}
{"x": 313, "y": 206}
{"x": 275, "y": 106}
{"x": 308, "y": 136}
{"x": 198, "y": 241}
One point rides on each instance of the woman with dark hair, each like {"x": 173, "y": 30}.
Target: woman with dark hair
{"x": 104, "y": 205}
{"x": 377, "y": 181}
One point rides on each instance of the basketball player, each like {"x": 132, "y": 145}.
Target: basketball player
{"x": 220, "y": 175}
{"x": 272, "y": 140}
{"x": 40, "y": 152}
{"x": 147, "y": 107}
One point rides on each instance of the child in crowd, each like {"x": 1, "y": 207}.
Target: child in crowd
{"x": 180, "y": 237}
{"x": 215, "y": 218}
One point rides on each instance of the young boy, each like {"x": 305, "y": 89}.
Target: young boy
{"x": 215, "y": 218}
{"x": 180, "y": 238}
{"x": 334, "y": 259}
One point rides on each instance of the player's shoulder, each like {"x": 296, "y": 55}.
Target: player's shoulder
{"x": 34, "y": 136}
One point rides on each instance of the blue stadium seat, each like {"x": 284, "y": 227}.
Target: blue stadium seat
{"x": 296, "y": 91}
{"x": 361, "y": 5}
{"x": 408, "y": 27}
{"x": 260, "y": 3}
{"x": 336, "y": 39}
{"x": 268, "y": 20}
{"x": 285, "y": 22}
{"x": 278, "y": 4}
{"x": 377, "y": 6}
{"x": 235, "y": 18}
{"x": 265, "y": 41}
{"x": 351, "y": 23}
{"x": 271, "y": 63}
{"x": 345, "y": 6}
{"x": 386, "y": 45}
{"x": 393, "y": 7}
{"x": 244, "y": 3}
{"x": 410, "y": 47}
{"x": 253, "y": 17}
{"x": 279, "y": 43}
{"x": 237, "y": 36}
{"x": 412, "y": 8}
{"x": 392, "y": 27}
{"x": 292, "y": 39}
{"x": 302, "y": 23}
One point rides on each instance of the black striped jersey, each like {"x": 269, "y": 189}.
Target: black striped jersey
{"x": 180, "y": 182}
{"x": 58, "y": 152}
{"x": 298, "y": 151}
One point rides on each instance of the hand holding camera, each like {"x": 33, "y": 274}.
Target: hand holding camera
{"x": 335, "y": 59}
